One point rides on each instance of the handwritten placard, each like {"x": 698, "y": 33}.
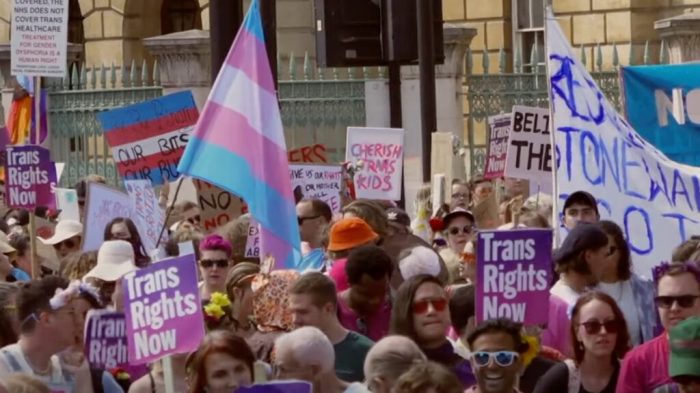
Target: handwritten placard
{"x": 380, "y": 151}
{"x": 321, "y": 182}
{"x": 252, "y": 245}
{"x": 106, "y": 344}
{"x": 217, "y": 207}
{"x": 163, "y": 310}
{"x": 499, "y": 131}
{"x": 146, "y": 213}
{"x": 308, "y": 154}
{"x": 102, "y": 205}
{"x": 30, "y": 177}
{"x": 529, "y": 145}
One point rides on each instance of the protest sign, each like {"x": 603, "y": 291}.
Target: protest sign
{"x": 30, "y": 177}
{"x": 102, "y": 205}
{"x": 278, "y": 387}
{"x": 39, "y": 37}
{"x": 662, "y": 103}
{"x": 499, "y": 131}
{"x": 529, "y": 153}
{"x": 321, "y": 182}
{"x": 656, "y": 201}
{"x": 67, "y": 203}
{"x": 106, "y": 345}
{"x": 308, "y": 154}
{"x": 380, "y": 151}
{"x": 146, "y": 213}
{"x": 514, "y": 269}
{"x": 148, "y": 138}
{"x": 252, "y": 245}
{"x": 217, "y": 207}
{"x": 163, "y": 310}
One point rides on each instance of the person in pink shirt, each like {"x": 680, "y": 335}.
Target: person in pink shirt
{"x": 346, "y": 235}
{"x": 365, "y": 307}
{"x": 645, "y": 368}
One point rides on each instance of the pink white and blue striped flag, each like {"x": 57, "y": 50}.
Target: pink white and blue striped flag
{"x": 238, "y": 143}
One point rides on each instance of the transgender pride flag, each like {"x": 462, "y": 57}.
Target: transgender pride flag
{"x": 238, "y": 143}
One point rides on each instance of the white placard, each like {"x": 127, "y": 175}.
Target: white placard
{"x": 39, "y": 37}
{"x": 67, "y": 203}
{"x": 529, "y": 153}
{"x": 321, "y": 182}
{"x": 381, "y": 152}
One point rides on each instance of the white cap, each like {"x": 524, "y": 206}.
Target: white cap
{"x": 420, "y": 260}
{"x": 114, "y": 259}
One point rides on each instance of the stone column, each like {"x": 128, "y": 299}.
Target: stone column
{"x": 682, "y": 36}
{"x": 184, "y": 62}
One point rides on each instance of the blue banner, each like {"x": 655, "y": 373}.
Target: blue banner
{"x": 662, "y": 103}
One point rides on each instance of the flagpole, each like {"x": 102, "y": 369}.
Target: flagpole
{"x": 35, "y": 139}
{"x": 555, "y": 189}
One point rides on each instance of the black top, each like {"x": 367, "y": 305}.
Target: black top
{"x": 557, "y": 380}
{"x": 534, "y": 372}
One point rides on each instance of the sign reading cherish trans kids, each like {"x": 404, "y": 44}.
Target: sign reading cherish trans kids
{"x": 39, "y": 37}
{"x": 514, "y": 271}
{"x": 30, "y": 177}
{"x": 163, "y": 310}
{"x": 381, "y": 152}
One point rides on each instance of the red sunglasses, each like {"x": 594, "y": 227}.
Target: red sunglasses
{"x": 421, "y": 306}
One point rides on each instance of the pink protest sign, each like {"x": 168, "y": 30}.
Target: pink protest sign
{"x": 514, "y": 269}
{"x": 163, "y": 310}
{"x": 105, "y": 339}
{"x": 30, "y": 177}
{"x": 499, "y": 129}
{"x": 379, "y": 153}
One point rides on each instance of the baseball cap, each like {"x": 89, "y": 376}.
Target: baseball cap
{"x": 583, "y": 237}
{"x": 583, "y": 198}
{"x": 457, "y": 212}
{"x": 684, "y": 340}
{"x": 349, "y": 233}
{"x": 398, "y": 216}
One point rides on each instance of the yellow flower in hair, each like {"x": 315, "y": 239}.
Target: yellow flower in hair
{"x": 220, "y": 299}
{"x": 214, "y": 311}
{"x": 533, "y": 348}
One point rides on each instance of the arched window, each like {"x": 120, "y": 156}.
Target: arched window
{"x": 180, "y": 15}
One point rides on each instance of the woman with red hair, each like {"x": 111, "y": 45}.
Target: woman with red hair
{"x": 221, "y": 364}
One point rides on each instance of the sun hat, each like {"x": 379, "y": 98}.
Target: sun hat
{"x": 457, "y": 212}
{"x": 419, "y": 260}
{"x": 114, "y": 259}
{"x": 65, "y": 229}
{"x": 349, "y": 233}
{"x": 684, "y": 340}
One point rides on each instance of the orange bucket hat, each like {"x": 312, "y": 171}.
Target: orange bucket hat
{"x": 349, "y": 233}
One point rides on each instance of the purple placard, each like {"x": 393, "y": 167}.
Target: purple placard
{"x": 278, "y": 387}
{"x": 499, "y": 129}
{"x": 106, "y": 345}
{"x": 514, "y": 270}
{"x": 30, "y": 177}
{"x": 163, "y": 310}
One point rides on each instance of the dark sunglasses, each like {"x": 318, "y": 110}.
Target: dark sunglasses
{"x": 302, "y": 219}
{"x": 501, "y": 358}
{"x": 456, "y": 230}
{"x": 220, "y": 263}
{"x": 685, "y": 301}
{"x": 67, "y": 243}
{"x": 421, "y": 306}
{"x": 593, "y": 327}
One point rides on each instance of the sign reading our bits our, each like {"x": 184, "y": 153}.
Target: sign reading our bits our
{"x": 163, "y": 310}
{"x": 529, "y": 146}
{"x": 106, "y": 345}
{"x": 499, "y": 129}
{"x": 30, "y": 177}
{"x": 321, "y": 182}
{"x": 381, "y": 152}
{"x": 513, "y": 275}
{"x": 39, "y": 37}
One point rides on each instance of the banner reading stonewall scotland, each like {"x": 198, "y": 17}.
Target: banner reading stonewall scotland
{"x": 654, "y": 199}
{"x": 662, "y": 103}
{"x": 148, "y": 138}
{"x": 163, "y": 310}
{"x": 514, "y": 271}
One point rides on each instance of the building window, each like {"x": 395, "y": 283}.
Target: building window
{"x": 180, "y": 15}
{"x": 528, "y": 31}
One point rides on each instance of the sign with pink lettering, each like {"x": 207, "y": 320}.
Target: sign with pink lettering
{"x": 321, "y": 182}
{"x": 379, "y": 153}
{"x": 514, "y": 269}
{"x": 163, "y": 310}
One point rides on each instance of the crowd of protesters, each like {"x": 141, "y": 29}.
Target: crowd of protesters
{"x": 381, "y": 303}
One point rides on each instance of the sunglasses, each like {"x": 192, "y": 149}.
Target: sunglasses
{"x": 593, "y": 327}
{"x": 456, "y": 230}
{"x": 501, "y": 358}
{"x": 220, "y": 263}
{"x": 685, "y": 301}
{"x": 302, "y": 219}
{"x": 67, "y": 243}
{"x": 421, "y": 306}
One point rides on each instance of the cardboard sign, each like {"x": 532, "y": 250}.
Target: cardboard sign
{"x": 146, "y": 213}
{"x": 102, "y": 205}
{"x": 308, "y": 154}
{"x": 321, "y": 182}
{"x": 30, "y": 177}
{"x": 217, "y": 207}
{"x": 67, "y": 203}
{"x": 163, "y": 310}
{"x": 148, "y": 138}
{"x": 252, "y": 244}
{"x": 381, "y": 152}
{"x": 106, "y": 344}
{"x": 529, "y": 145}
{"x": 514, "y": 269}
{"x": 278, "y": 387}
{"x": 499, "y": 131}
{"x": 39, "y": 37}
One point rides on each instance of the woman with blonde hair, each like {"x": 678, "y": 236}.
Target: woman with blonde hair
{"x": 79, "y": 265}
